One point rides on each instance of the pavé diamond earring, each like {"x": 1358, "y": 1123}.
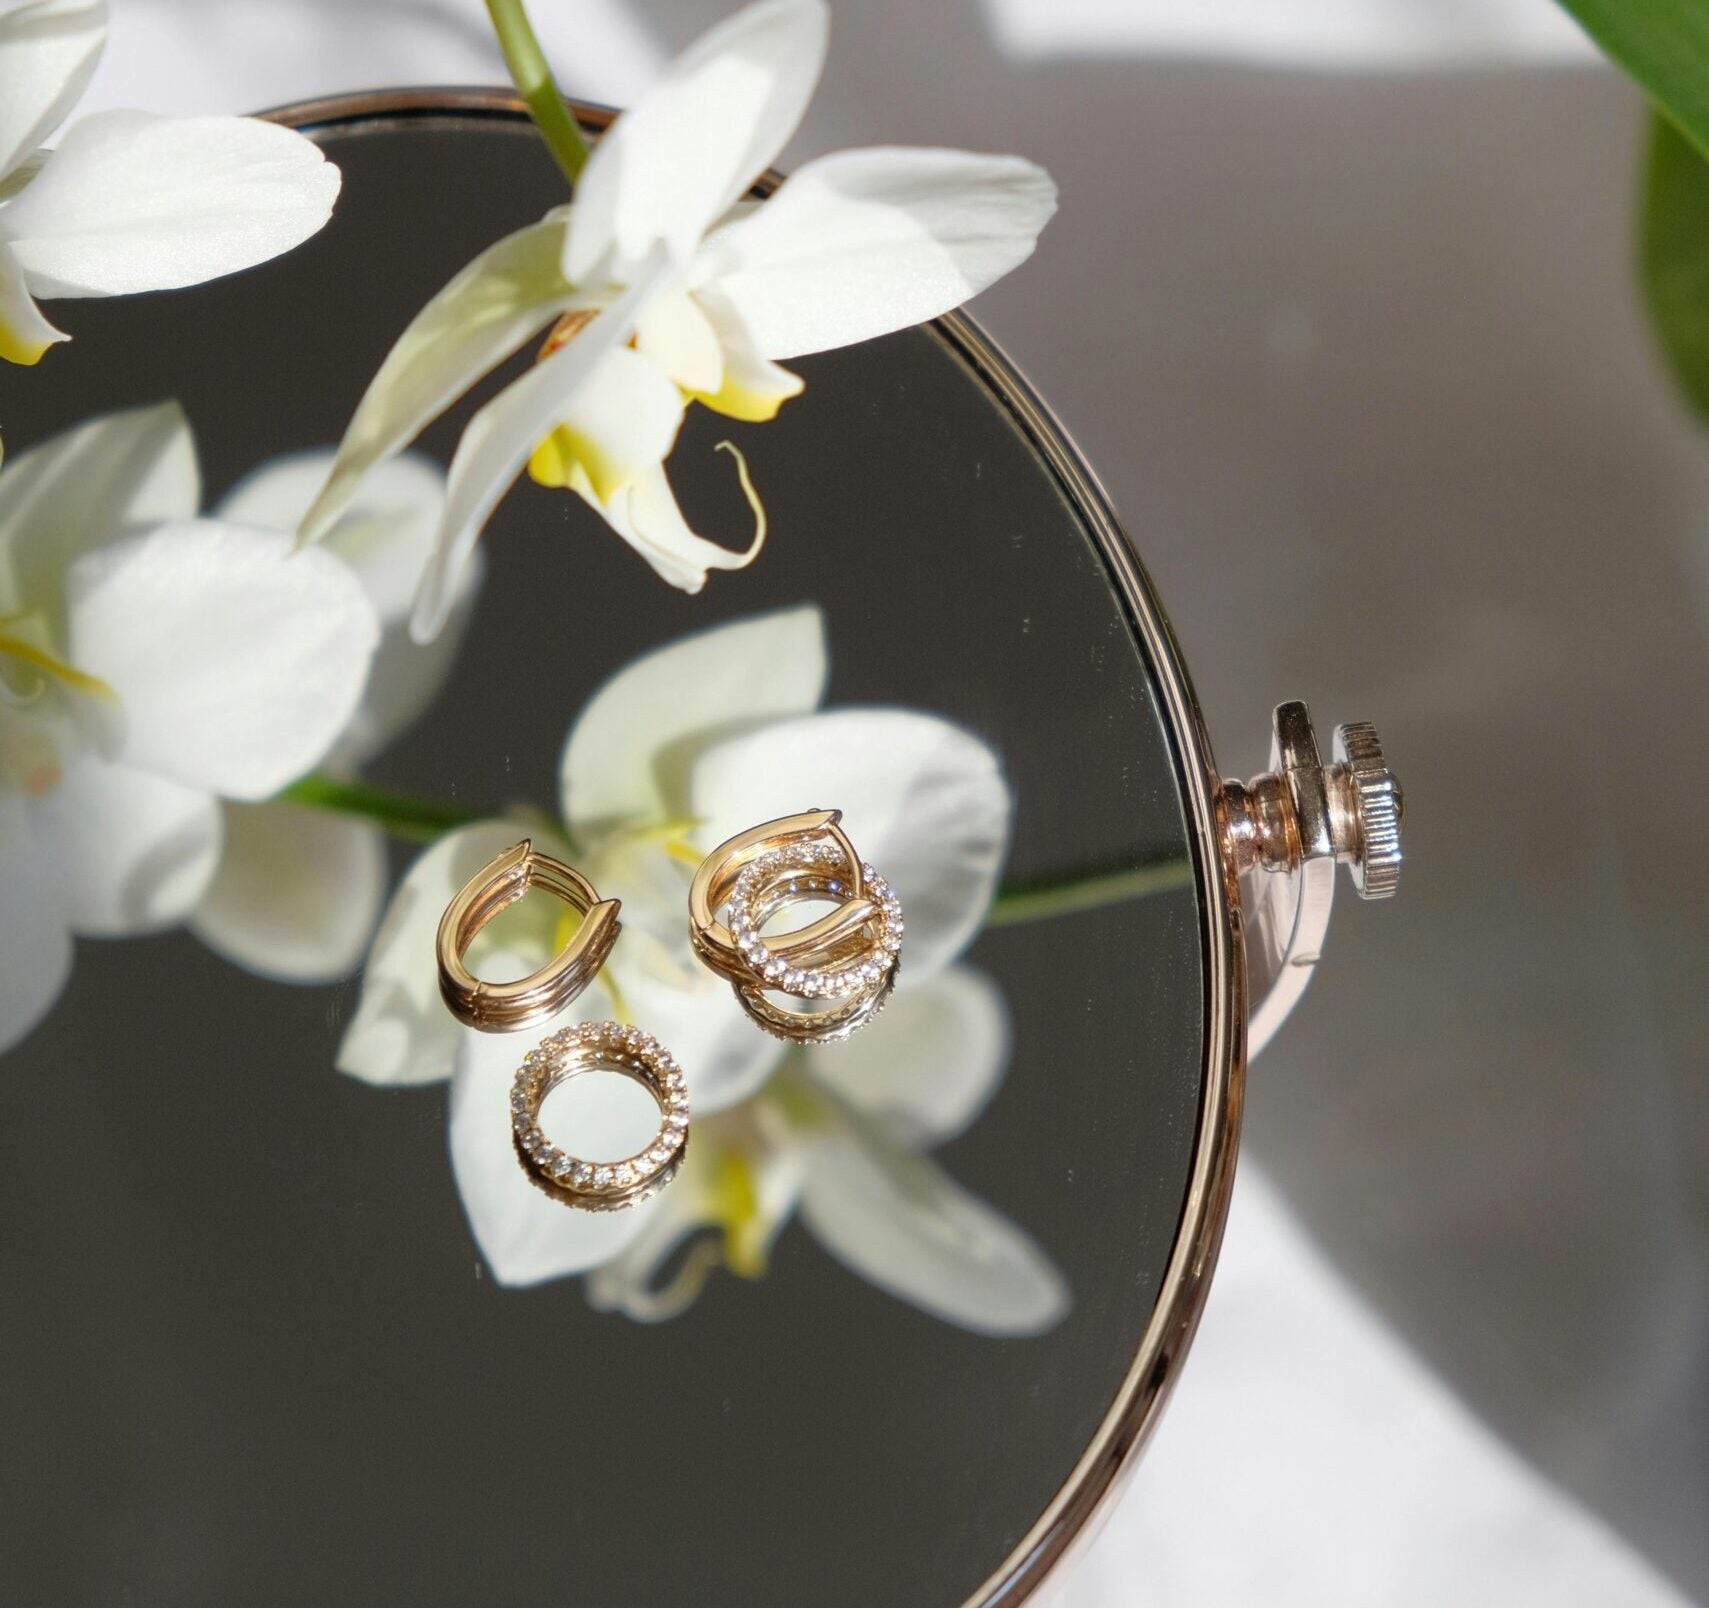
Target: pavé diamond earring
{"x": 600, "y": 1186}
{"x": 839, "y": 970}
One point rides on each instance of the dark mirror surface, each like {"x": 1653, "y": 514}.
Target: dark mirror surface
{"x": 277, "y": 1332}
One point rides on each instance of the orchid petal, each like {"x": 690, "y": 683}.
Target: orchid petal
{"x": 81, "y": 488}
{"x": 385, "y": 532}
{"x": 860, "y": 243}
{"x": 48, "y": 53}
{"x": 236, "y": 662}
{"x": 35, "y": 937}
{"x": 696, "y": 141}
{"x": 752, "y": 388}
{"x": 694, "y": 1013}
{"x": 385, "y": 535}
{"x": 129, "y": 201}
{"x": 499, "y": 439}
{"x": 647, "y": 516}
{"x": 620, "y": 423}
{"x": 674, "y": 333}
{"x": 25, "y": 332}
{"x": 401, "y": 1032}
{"x": 902, "y": 1223}
{"x": 297, "y": 892}
{"x": 513, "y": 289}
{"x": 525, "y": 1236}
{"x": 625, "y": 757}
{"x": 923, "y": 801}
{"x": 724, "y": 1159}
{"x": 135, "y": 851}
{"x": 926, "y": 1068}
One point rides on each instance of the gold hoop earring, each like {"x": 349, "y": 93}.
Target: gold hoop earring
{"x": 844, "y": 964}
{"x": 599, "y": 1186}
{"x": 506, "y": 1007}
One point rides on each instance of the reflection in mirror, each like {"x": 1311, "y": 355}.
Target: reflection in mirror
{"x": 677, "y": 751}
{"x": 254, "y": 1302}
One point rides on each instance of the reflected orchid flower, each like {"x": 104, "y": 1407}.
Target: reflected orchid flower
{"x": 669, "y": 289}
{"x": 298, "y": 890}
{"x": 128, "y": 201}
{"x": 679, "y": 750}
{"x": 841, "y": 1139}
{"x": 682, "y": 748}
{"x": 152, "y": 663}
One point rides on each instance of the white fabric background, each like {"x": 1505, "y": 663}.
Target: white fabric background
{"x": 1309, "y": 1457}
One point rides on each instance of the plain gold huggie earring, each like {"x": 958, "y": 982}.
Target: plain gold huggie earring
{"x": 600, "y": 1186}
{"x": 507, "y": 1007}
{"x": 840, "y": 967}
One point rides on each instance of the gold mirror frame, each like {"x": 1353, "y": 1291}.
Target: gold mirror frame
{"x": 1072, "y": 1516}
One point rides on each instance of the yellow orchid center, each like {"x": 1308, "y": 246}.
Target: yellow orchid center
{"x": 733, "y": 1203}
{"x": 565, "y": 929}
{"x": 16, "y": 347}
{"x": 565, "y": 460}
{"x": 42, "y": 663}
{"x": 568, "y": 461}
{"x": 737, "y": 401}
{"x": 675, "y": 836}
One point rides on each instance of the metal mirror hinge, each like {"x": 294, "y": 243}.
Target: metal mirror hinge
{"x": 1283, "y": 834}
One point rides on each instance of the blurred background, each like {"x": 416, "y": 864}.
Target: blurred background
{"x": 1340, "y": 302}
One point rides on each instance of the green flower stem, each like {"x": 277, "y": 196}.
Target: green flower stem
{"x": 533, "y": 80}
{"x": 416, "y": 820}
{"x": 422, "y": 820}
{"x": 1066, "y": 896}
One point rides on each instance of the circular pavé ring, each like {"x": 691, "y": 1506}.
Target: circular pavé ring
{"x": 599, "y": 1186}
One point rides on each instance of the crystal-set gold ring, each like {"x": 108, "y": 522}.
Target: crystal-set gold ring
{"x": 600, "y": 1186}
{"x": 840, "y": 967}
{"x": 505, "y": 1007}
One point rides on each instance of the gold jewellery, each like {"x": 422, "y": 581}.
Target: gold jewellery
{"x": 585, "y": 1047}
{"x": 600, "y": 1186}
{"x": 506, "y": 1007}
{"x": 840, "y": 968}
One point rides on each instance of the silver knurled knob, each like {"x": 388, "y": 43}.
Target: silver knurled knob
{"x": 1350, "y": 810}
{"x": 1372, "y": 806}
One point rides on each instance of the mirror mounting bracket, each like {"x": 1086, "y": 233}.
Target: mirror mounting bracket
{"x": 1282, "y": 835}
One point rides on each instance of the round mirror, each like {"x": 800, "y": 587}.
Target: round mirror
{"x": 284, "y": 1316}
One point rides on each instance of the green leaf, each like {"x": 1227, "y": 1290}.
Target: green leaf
{"x": 1675, "y": 257}
{"x": 1664, "y": 46}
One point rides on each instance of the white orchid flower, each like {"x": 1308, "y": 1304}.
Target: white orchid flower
{"x": 688, "y": 293}
{"x": 299, "y": 890}
{"x": 152, "y": 663}
{"x": 682, "y": 748}
{"x": 841, "y": 1139}
{"x": 128, "y": 201}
